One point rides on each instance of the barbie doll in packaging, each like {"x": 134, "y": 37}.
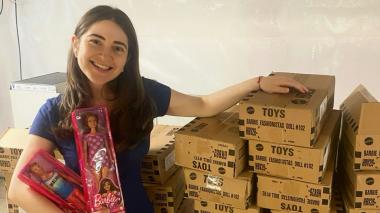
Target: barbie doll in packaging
{"x": 97, "y": 159}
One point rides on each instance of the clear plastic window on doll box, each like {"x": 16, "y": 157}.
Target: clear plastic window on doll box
{"x": 55, "y": 180}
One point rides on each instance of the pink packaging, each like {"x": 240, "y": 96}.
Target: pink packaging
{"x": 97, "y": 159}
{"x": 49, "y": 177}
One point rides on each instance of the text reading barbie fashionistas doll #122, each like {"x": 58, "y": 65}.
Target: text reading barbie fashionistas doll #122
{"x": 97, "y": 159}
{"x": 52, "y": 179}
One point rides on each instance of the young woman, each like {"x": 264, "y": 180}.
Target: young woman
{"x": 103, "y": 69}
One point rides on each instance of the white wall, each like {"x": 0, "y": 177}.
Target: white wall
{"x": 200, "y": 46}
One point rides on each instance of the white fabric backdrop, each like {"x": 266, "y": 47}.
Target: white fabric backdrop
{"x": 200, "y": 46}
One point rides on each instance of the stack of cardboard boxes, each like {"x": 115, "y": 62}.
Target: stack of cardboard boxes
{"x": 163, "y": 180}
{"x": 292, "y": 144}
{"x": 359, "y": 164}
{"x": 214, "y": 158}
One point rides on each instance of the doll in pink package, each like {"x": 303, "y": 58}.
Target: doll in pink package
{"x": 97, "y": 159}
{"x": 51, "y": 178}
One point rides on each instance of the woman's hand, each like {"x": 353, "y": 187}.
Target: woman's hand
{"x": 280, "y": 84}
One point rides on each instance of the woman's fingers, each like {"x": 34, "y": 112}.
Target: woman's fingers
{"x": 289, "y": 82}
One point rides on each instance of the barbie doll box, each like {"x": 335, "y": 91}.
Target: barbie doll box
{"x": 294, "y": 162}
{"x": 212, "y": 145}
{"x": 52, "y": 179}
{"x": 97, "y": 159}
{"x": 296, "y": 196}
{"x": 235, "y": 192}
{"x": 212, "y": 207}
{"x": 294, "y": 118}
{"x": 158, "y": 164}
{"x": 361, "y": 116}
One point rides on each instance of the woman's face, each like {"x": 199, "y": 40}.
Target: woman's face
{"x": 101, "y": 52}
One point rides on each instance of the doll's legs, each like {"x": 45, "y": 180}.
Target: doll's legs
{"x": 76, "y": 197}
{"x": 104, "y": 172}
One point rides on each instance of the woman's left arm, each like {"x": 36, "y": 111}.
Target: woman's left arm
{"x": 214, "y": 103}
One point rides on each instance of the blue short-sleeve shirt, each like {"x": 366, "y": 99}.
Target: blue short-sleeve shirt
{"x": 129, "y": 161}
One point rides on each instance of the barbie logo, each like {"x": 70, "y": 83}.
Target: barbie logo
{"x": 107, "y": 200}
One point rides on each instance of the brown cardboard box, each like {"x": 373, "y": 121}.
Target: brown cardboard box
{"x": 167, "y": 197}
{"x": 12, "y": 142}
{"x": 337, "y": 205}
{"x": 361, "y": 115}
{"x": 187, "y": 206}
{"x": 158, "y": 164}
{"x": 212, "y": 145}
{"x": 294, "y": 118}
{"x": 349, "y": 207}
{"x": 236, "y": 192}
{"x": 298, "y": 163}
{"x": 12, "y": 208}
{"x": 361, "y": 188}
{"x": 292, "y": 195}
{"x": 212, "y": 207}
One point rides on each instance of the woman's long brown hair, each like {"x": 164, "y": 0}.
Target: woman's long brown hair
{"x": 132, "y": 110}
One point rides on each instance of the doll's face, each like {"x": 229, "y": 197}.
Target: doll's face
{"x": 92, "y": 122}
{"x": 37, "y": 170}
{"x": 107, "y": 186}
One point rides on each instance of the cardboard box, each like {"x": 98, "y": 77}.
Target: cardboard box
{"x": 337, "y": 205}
{"x": 298, "y": 163}
{"x": 362, "y": 188}
{"x": 349, "y": 207}
{"x": 158, "y": 164}
{"x": 12, "y": 142}
{"x": 204, "y": 206}
{"x": 235, "y": 192}
{"x": 12, "y": 208}
{"x": 187, "y": 206}
{"x": 212, "y": 145}
{"x": 169, "y": 196}
{"x": 294, "y": 118}
{"x": 292, "y": 195}
{"x": 361, "y": 113}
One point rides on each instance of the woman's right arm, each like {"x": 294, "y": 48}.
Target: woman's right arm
{"x": 22, "y": 194}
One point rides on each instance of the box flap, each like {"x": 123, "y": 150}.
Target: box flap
{"x": 14, "y": 138}
{"x": 162, "y": 136}
{"x": 352, "y": 105}
{"x": 222, "y": 127}
{"x": 369, "y": 123}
